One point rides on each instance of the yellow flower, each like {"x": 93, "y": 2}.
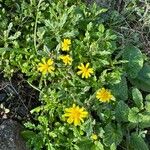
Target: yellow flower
{"x": 66, "y": 59}
{"x": 75, "y": 115}
{"x": 46, "y": 66}
{"x": 85, "y": 71}
{"x": 65, "y": 45}
{"x": 104, "y": 95}
{"x": 94, "y": 136}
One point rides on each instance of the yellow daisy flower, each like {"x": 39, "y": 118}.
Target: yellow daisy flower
{"x": 75, "y": 114}
{"x": 65, "y": 45}
{"x": 104, "y": 95}
{"x": 94, "y": 137}
{"x": 46, "y": 66}
{"x": 85, "y": 71}
{"x": 66, "y": 59}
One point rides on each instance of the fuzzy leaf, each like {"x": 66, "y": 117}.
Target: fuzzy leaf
{"x": 142, "y": 81}
{"x": 113, "y": 134}
{"x": 134, "y": 116}
{"x": 135, "y": 61}
{"x": 147, "y": 98}
{"x": 137, "y": 142}
{"x": 122, "y": 111}
{"x": 120, "y": 90}
{"x": 85, "y": 144}
{"x": 145, "y": 120}
{"x": 137, "y": 98}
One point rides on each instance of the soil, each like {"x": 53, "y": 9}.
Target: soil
{"x": 17, "y": 96}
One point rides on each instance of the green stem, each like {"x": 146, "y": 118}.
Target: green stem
{"x": 35, "y": 26}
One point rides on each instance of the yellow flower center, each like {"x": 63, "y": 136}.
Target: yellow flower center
{"x": 75, "y": 114}
{"x": 104, "y": 95}
{"x": 46, "y": 66}
{"x": 85, "y": 71}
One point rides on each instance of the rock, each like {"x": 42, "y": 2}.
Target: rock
{"x": 10, "y": 138}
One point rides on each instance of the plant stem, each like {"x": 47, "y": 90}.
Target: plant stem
{"x": 35, "y": 26}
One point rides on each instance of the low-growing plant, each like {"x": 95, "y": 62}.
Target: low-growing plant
{"x": 68, "y": 54}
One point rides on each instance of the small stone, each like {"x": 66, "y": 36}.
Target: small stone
{"x": 10, "y": 138}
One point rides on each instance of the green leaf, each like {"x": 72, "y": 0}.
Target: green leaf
{"x": 134, "y": 116}
{"x": 97, "y": 146}
{"x": 137, "y": 98}
{"x": 15, "y": 36}
{"x": 147, "y": 106}
{"x": 89, "y": 26}
{"x": 142, "y": 81}
{"x": 147, "y": 98}
{"x": 122, "y": 111}
{"x": 147, "y": 103}
{"x": 120, "y": 90}
{"x": 137, "y": 142}
{"x": 113, "y": 147}
{"x": 113, "y": 134}
{"x": 27, "y": 134}
{"x": 145, "y": 120}
{"x": 85, "y": 144}
{"x": 135, "y": 61}
{"x": 101, "y": 28}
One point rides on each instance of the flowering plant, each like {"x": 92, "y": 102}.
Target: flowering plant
{"x": 75, "y": 63}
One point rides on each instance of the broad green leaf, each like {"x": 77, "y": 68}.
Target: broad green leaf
{"x": 134, "y": 116}
{"x": 142, "y": 81}
{"x": 121, "y": 112}
{"x": 137, "y": 142}
{"x": 147, "y": 98}
{"x": 144, "y": 120}
{"x": 137, "y": 98}
{"x": 135, "y": 61}
{"x": 85, "y": 144}
{"x": 120, "y": 90}
{"x": 113, "y": 134}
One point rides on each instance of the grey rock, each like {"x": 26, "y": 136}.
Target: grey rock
{"x": 10, "y": 138}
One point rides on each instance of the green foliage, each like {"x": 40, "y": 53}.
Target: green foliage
{"x": 113, "y": 134}
{"x": 35, "y": 30}
{"x": 137, "y": 97}
{"x": 142, "y": 81}
{"x": 137, "y": 142}
{"x": 120, "y": 89}
{"x": 122, "y": 111}
{"x": 135, "y": 61}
